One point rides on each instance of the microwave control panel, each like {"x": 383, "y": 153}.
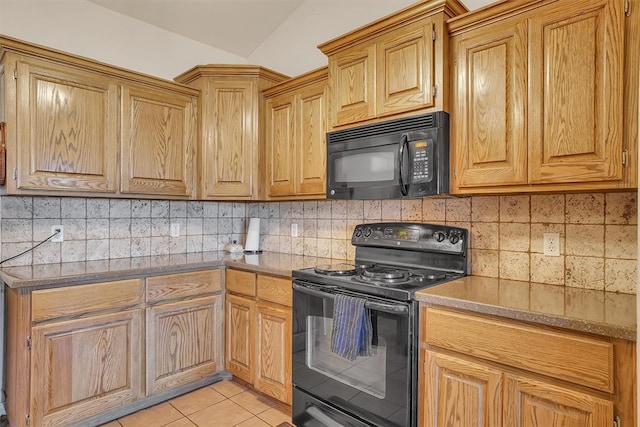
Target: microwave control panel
{"x": 421, "y": 153}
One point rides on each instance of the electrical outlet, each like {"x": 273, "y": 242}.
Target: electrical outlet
{"x": 294, "y": 230}
{"x": 175, "y": 229}
{"x": 551, "y": 244}
{"x": 58, "y": 237}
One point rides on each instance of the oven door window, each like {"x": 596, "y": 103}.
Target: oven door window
{"x": 366, "y": 374}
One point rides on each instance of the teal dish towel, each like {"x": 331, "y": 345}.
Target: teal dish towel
{"x": 351, "y": 333}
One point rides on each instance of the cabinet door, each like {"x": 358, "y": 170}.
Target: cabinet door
{"x": 157, "y": 142}
{"x": 67, "y": 129}
{"x": 239, "y": 334}
{"x": 311, "y": 147}
{"x": 576, "y": 99}
{"x": 405, "y": 69}
{"x": 281, "y": 134}
{"x": 229, "y": 139}
{"x": 459, "y": 393}
{"x": 85, "y": 367}
{"x": 532, "y": 403}
{"x": 352, "y": 75}
{"x": 182, "y": 343}
{"x": 489, "y": 141}
{"x": 273, "y": 356}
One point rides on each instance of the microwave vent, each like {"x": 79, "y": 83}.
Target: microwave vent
{"x": 425, "y": 121}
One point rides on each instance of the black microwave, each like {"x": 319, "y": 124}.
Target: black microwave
{"x": 395, "y": 159}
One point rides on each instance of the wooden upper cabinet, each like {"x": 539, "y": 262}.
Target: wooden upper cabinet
{"x": 79, "y": 127}
{"x": 395, "y": 65}
{"x": 231, "y": 117}
{"x": 538, "y": 98}
{"x": 490, "y": 87}
{"x": 353, "y": 84}
{"x": 296, "y": 126}
{"x": 405, "y": 78}
{"x": 577, "y": 59}
{"x": 281, "y": 134}
{"x": 158, "y": 136}
{"x": 67, "y": 126}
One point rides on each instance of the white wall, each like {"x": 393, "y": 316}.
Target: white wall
{"x": 292, "y": 48}
{"x": 82, "y": 28}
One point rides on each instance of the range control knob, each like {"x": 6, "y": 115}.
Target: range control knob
{"x": 454, "y": 238}
{"x": 358, "y": 232}
{"x": 367, "y": 232}
{"x": 439, "y": 236}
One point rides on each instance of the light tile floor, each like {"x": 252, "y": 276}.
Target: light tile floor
{"x": 223, "y": 404}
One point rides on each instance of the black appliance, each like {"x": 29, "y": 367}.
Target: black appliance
{"x": 401, "y": 158}
{"x": 392, "y": 262}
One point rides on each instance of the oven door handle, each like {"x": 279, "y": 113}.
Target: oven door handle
{"x": 372, "y": 305}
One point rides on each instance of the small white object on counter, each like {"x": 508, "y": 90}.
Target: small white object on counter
{"x": 233, "y": 248}
{"x": 252, "y": 243}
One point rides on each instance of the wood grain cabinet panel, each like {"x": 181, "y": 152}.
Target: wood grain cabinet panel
{"x": 397, "y": 65}
{"x": 181, "y": 343}
{"x": 296, "y": 129}
{"x": 406, "y": 72}
{"x": 67, "y": 126}
{"x": 273, "y": 358}
{"x": 258, "y": 334}
{"x": 231, "y": 118}
{"x": 577, "y": 58}
{"x": 239, "y": 336}
{"x": 460, "y": 393}
{"x": 534, "y": 403}
{"x": 490, "y": 110}
{"x": 538, "y": 98}
{"x": 158, "y": 138}
{"x": 84, "y": 367}
{"x": 502, "y": 372}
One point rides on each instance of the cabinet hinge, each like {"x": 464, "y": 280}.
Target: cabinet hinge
{"x": 28, "y": 343}
{"x": 627, "y": 7}
{"x": 435, "y": 91}
{"x": 15, "y": 173}
{"x": 455, "y": 171}
{"x": 27, "y": 419}
{"x": 616, "y": 421}
{"x": 625, "y": 157}
{"x": 15, "y": 74}
{"x": 434, "y": 34}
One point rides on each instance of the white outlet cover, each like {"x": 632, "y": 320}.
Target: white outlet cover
{"x": 175, "y": 229}
{"x": 294, "y": 230}
{"x": 58, "y": 238}
{"x": 551, "y": 244}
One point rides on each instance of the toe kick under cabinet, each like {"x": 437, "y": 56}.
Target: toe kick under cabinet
{"x": 88, "y": 353}
{"x": 488, "y": 371}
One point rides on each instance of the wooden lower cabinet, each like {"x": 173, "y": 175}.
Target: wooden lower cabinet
{"x": 536, "y": 403}
{"x": 83, "y": 367}
{"x": 85, "y": 354}
{"x": 273, "y": 364}
{"x": 476, "y": 373}
{"x": 258, "y": 331}
{"x": 460, "y": 393}
{"x": 181, "y": 342}
{"x": 240, "y": 313}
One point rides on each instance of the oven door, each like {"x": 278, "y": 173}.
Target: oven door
{"x": 376, "y": 390}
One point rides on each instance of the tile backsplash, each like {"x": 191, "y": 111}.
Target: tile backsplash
{"x": 598, "y": 231}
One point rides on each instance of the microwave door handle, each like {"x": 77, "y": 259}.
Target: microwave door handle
{"x": 404, "y": 189}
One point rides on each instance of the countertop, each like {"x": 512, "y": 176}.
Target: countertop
{"x": 603, "y": 313}
{"x": 73, "y": 273}
{"x": 598, "y": 312}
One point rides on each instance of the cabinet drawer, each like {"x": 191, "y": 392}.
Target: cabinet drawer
{"x": 275, "y": 289}
{"x": 241, "y": 282}
{"x": 563, "y": 355}
{"x": 172, "y": 286}
{"x": 76, "y": 300}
